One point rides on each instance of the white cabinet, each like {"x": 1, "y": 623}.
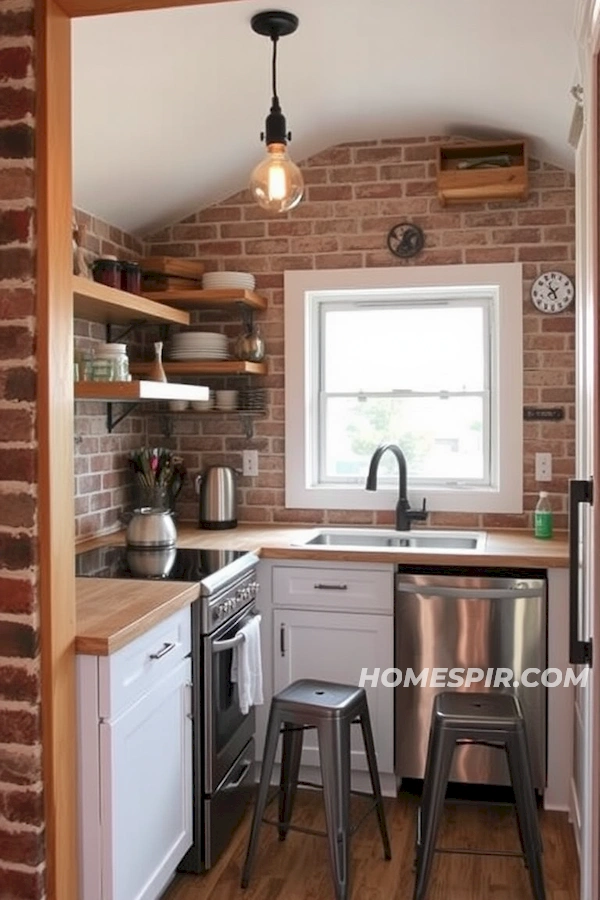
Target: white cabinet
{"x": 135, "y": 747}
{"x": 336, "y": 646}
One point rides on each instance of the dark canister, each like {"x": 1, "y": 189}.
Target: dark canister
{"x": 107, "y": 270}
{"x": 131, "y": 278}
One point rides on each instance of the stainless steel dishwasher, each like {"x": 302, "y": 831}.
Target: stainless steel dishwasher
{"x": 448, "y": 620}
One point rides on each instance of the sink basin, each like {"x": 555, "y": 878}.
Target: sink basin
{"x": 412, "y": 540}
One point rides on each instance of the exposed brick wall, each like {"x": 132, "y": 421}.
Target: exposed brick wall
{"x": 21, "y": 806}
{"x": 101, "y": 475}
{"x": 355, "y": 193}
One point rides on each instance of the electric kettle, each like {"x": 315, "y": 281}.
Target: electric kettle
{"x": 217, "y": 487}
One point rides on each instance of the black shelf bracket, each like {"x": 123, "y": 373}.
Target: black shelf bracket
{"x": 112, "y": 420}
{"x": 113, "y": 336}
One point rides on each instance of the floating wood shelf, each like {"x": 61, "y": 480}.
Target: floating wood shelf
{"x": 204, "y": 367}
{"x": 195, "y": 299}
{"x": 134, "y": 391}
{"x": 100, "y": 303}
{"x": 475, "y": 172}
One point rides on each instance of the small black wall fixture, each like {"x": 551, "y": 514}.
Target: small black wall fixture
{"x": 276, "y": 182}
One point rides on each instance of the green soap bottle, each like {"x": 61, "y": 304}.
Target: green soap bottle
{"x": 542, "y": 517}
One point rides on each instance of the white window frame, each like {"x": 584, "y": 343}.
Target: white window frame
{"x": 302, "y": 289}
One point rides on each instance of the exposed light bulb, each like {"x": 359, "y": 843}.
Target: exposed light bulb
{"x": 276, "y": 182}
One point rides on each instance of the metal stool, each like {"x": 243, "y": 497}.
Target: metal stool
{"x": 494, "y": 719}
{"x": 331, "y": 709}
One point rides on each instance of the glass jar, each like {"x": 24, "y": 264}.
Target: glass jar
{"x": 107, "y": 270}
{"x": 116, "y": 355}
{"x": 131, "y": 278}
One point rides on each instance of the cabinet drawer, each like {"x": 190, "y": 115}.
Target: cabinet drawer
{"x": 334, "y": 587}
{"x": 127, "y": 675}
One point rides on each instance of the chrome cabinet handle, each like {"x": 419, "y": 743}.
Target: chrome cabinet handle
{"x": 331, "y": 587}
{"x": 166, "y": 648}
{"x": 580, "y": 651}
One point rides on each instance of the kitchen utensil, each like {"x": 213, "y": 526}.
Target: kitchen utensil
{"x": 217, "y": 487}
{"x": 151, "y": 528}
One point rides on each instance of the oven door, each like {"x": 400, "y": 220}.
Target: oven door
{"x": 226, "y": 729}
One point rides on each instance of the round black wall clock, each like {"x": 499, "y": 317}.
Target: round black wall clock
{"x": 405, "y": 240}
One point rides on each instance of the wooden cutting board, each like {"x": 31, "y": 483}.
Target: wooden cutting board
{"x": 155, "y": 282}
{"x": 173, "y": 265}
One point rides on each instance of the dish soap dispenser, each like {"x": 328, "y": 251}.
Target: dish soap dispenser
{"x": 542, "y": 517}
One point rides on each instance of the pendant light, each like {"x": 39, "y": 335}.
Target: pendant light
{"x": 276, "y": 182}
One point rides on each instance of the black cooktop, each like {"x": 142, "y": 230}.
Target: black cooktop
{"x": 171, "y": 564}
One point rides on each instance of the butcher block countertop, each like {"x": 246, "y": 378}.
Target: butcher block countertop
{"x": 110, "y": 613}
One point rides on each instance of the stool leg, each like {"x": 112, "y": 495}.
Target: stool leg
{"x": 263, "y": 791}
{"x": 290, "y": 764}
{"x": 520, "y": 773}
{"x": 439, "y": 759}
{"x": 365, "y": 724}
{"x": 334, "y": 752}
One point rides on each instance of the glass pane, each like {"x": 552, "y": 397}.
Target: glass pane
{"x": 430, "y": 348}
{"x": 439, "y": 438}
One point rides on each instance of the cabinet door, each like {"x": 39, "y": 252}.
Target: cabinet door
{"x": 336, "y": 647}
{"x": 146, "y": 790}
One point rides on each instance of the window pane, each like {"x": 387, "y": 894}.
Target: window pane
{"x": 441, "y": 439}
{"x": 430, "y": 348}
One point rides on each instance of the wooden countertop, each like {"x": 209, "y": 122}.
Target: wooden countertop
{"x": 112, "y": 613}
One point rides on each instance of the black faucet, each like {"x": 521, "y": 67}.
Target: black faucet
{"x": 404, "y": 514}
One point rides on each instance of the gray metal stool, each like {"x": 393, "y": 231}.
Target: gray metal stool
{"x": 331, "y": 709}
{"x": 494, "y": 719}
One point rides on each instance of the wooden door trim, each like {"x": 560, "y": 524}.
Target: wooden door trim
{"x": 55, "y": 434}
{"x": 77, "y": 8}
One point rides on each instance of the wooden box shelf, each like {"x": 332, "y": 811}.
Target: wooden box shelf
{"x": 204, "y": 367}
{"x": 475, "y": 172}
{"x": 100, "y": 303}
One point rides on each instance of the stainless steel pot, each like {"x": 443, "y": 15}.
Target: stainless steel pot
{"x": 217, "y": 487}
{"x": 151, "y": 528}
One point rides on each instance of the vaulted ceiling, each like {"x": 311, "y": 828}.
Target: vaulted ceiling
{"x": 169, "y": 104}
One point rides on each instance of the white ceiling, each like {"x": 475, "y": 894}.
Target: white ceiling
{"x": 169, "y": 104}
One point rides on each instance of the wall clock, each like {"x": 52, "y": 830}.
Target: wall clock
{"x": 405, "y": 240}
{"x": 552, "y": 292}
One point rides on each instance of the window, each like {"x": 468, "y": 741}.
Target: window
{"x": 428, "y": 358}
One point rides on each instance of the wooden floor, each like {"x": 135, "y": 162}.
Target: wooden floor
{"x": 298, "y": 868}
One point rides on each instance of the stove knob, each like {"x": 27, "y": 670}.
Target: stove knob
{"x": 219, "y": 612}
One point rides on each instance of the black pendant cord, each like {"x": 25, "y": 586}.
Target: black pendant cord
{"x": 275, "y": 107}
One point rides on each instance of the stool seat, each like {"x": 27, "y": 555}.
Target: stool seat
{"x": 320, "y": 698}
{"x": 493, "y": 718}
{"x": 332, "y": 709}
{"x": 493, "y": 710}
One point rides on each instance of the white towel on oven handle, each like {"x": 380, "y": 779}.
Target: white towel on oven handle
{"x": 246, "y": 666}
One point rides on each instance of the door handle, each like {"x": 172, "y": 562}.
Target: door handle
{"x": 331, "y": 587}
{"x": 282, "y": 640}
{"x": 580, "y": 651}
{"x": 235, "y": 784}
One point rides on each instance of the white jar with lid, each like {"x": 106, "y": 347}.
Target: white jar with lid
{"x": 116, "y": 355}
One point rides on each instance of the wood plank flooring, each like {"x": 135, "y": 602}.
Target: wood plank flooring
{"x": 298, "y": 869}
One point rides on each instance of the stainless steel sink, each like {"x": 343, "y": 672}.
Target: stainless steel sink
{"x": 415, "y": 540}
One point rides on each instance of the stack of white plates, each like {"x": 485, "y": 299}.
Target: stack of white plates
{"x": 190, "y": 345}
{"x": 218, "y": 281}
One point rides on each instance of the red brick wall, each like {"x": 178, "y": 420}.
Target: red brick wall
{"x": 355, "y": 193}
{"x": 21, "y": 809}
{"x": 101, "y": 474}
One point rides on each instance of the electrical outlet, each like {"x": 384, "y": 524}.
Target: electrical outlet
{"x": 543, "y": 467}
{"x": 250, "y": 463}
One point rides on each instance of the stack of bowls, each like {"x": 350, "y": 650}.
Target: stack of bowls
{"x": 195, "y": 345}
{"x": 218, "y": 281}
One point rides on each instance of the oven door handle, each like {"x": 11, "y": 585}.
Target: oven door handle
{"x": 222, "y": 646}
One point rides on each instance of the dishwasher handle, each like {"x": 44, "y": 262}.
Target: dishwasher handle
{"x": 405, "y": 587}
